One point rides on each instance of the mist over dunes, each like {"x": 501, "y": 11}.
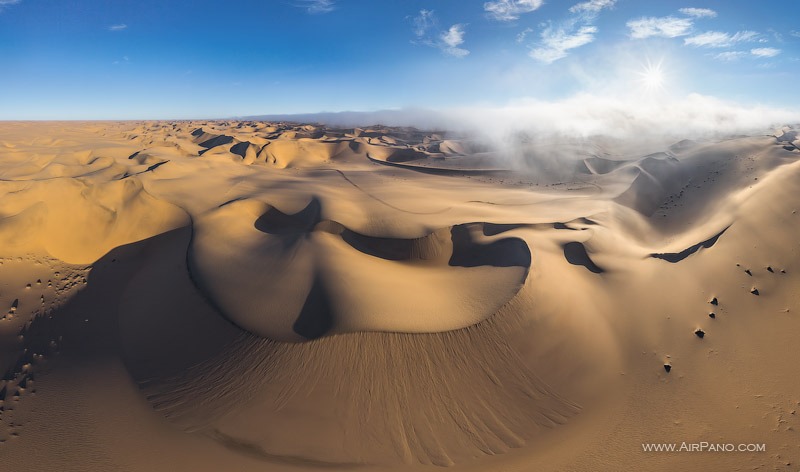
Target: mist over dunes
{"x": 632, "y": 116}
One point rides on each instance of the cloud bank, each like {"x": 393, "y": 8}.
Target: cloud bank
{"x": 585, "y": 115}
{"x": 545, "y": 138}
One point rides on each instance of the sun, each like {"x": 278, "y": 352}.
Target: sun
{"x": 652, "y": 78}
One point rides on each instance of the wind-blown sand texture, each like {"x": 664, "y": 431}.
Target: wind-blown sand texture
{"x": 257, "y": 296}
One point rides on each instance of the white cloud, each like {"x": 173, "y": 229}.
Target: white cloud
{"x": 719, "y": 39}
{"x": 698, "y": 12}
{"x": 765, "y": 52}
{"x": 796, "y": 34}
{"x": 524, "y": 33}
{"x": 557, "y": 41}
{"x": 453, "y": 38}
{"x": 448, "y": 41}
{"x": 755, "y": 52}
{"x": 507, "y": 10}
{"x": 118, "y": 27}
{"x": 317, "y": 6}
{"x": 576, "y": 31}
{"x": 665, "y": 27}
{"x": 730, "y": 56}
{"x": 423, "y": 23}
{"x": 593, "y": 6}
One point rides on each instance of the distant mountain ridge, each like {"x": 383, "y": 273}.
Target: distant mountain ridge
{"x": 416, "y": 117}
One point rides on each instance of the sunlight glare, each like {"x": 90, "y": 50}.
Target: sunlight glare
{"x": 651, "y": 77}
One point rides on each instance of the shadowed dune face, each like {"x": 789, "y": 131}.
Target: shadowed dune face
{"x": 657, "y": 177}
{"x": 576, "y": 254}
{"x": 679, "y": 256}
{"x": 313, "y": 276}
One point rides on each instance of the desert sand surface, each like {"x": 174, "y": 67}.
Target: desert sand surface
{"x": 255, "y": 296}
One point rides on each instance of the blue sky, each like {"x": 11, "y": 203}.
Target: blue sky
{"x": 98, "y": 59}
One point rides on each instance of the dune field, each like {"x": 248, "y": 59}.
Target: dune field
{"x": 257, "y": 296}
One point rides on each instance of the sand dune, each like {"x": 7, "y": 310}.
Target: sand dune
{"x": 333, "y": 279}
{"x": 276, "y": 296}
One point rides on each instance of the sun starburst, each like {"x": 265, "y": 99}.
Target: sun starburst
{"x": 652, "y": 77}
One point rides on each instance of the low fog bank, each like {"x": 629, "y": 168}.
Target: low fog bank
{"x": 549, "y": 136}
{"x": 582, "y": 115}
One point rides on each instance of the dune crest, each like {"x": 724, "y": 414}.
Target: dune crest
{"x": 306, "y": 276}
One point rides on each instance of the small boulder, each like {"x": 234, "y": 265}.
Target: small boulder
{"x": 699, "y": 333}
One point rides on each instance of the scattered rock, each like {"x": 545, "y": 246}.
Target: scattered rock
{"x": 747, "y": 271}
{"x": 712, "y": 315}
{"x": 714, "y": 301}
{"x": 769, "y": 269}
{"x": 699, "y": 333}
{"x": 667, "y": 367}
{"x": 754, "y": 291}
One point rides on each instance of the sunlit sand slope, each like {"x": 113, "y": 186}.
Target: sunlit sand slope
{"x": 276, "y": 296}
